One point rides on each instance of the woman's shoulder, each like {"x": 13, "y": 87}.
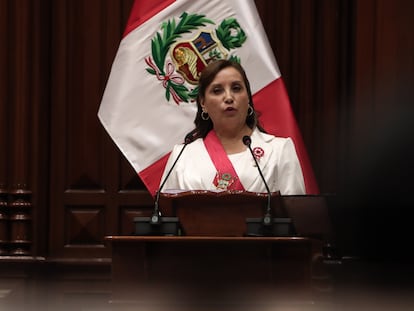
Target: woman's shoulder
{"x": 194, "y": 144}
{"x": 270, "y": 138}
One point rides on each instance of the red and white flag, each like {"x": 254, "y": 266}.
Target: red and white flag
{"x": 148, "y": 104}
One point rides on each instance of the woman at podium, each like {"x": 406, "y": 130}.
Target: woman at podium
{"x": 228, "y": 149}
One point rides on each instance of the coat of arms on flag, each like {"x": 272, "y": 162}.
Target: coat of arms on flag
{"x": 190, "y": 57}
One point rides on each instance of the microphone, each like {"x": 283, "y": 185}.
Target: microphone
{"x": 156, "y": 214}
{"x": 267, "y": 219}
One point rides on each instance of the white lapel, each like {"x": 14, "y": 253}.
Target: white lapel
{"x": 251, "y": 177}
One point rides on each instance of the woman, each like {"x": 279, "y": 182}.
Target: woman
{"x": 218, "y": 159}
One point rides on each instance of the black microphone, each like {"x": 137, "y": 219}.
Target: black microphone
{"x": 267, "y": 219}
{"x": 156, "y": 214}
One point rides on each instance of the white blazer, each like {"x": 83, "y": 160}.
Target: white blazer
{"x": 279, "y": 164}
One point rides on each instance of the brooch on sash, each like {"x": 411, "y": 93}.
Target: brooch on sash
{"x": 223, "y": 181}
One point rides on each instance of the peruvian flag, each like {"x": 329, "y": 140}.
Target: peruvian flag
{"x": 149, "y": 101}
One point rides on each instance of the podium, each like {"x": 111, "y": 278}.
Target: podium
{"x": 213, "y": 264}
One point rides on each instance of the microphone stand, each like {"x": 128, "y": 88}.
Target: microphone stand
{"x": 267, "y": 219}
{"x": 156, "y": 214}
{"x": 267, "y": 226}
{"x": 158, "y": 224}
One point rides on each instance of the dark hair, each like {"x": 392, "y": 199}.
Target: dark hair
{"x": 202, "y": 127}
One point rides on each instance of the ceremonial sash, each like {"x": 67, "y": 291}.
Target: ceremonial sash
{"x": 226, "y": 177}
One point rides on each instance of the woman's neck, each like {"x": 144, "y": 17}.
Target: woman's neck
{"x": 232, "y": 140}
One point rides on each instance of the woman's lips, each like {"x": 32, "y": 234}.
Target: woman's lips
{"x": 230, "y": 111}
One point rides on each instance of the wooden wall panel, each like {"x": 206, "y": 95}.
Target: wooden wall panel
{"x": 380, "y": 114}
{"x": 24, "y": 113}
{"x": 86, "y": 175}
{"x": 99, "y": 191}
{"x": 4, "y": 131}
{"x": 309, "y": 39}
{"x": 20, "y": 206}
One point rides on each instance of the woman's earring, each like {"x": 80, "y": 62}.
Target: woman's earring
{"x": 250, "y": 111}
{"x": 204, "y": 116}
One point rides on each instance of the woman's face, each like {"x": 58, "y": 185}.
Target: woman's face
{"x": 226, "y": 99}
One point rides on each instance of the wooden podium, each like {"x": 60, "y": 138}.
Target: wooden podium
{"x": 214, "y": 264}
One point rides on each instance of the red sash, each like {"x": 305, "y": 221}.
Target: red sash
{"x": 226, "y": 177}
